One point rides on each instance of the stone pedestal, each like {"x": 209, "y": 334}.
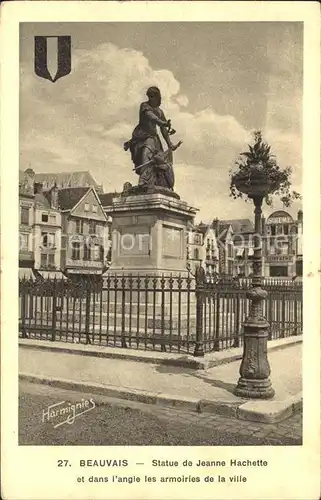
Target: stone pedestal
{"x": 148, "y": 287}
{"x": 149, "y": 234}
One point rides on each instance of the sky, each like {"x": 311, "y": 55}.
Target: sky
{"x": 219, "y": 82}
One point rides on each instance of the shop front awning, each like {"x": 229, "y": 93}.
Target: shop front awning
{"x": 26, "y": 273}
{"x": 96, "y": 272}
{"x": 51, "y": 275}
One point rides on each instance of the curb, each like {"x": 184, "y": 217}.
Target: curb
{"x": 254, "y": 411}
{"x": 169, "y": 359}
{"x": 127, "y": 393}
{"x": 272, "y": 411}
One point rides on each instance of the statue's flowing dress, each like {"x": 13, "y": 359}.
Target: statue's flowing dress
{"x": 144, "y": 144}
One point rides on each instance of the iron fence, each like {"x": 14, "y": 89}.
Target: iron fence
{"x": 167, "y": 313}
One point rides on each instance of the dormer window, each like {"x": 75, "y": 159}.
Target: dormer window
{"x": 44, "y": 217}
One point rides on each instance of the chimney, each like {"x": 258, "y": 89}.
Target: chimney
{"x": 215, "y": 226}
{"x": 300, "y": 216}
{"x": 54, "y": 197}
{"x": 28, "y": 181}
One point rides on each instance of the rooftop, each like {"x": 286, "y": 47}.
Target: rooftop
{"x": 65, "y": 179}
{"x": 69, "y": 197}
{"x": 239, "y": 226}
{"x": 106, "y": 199}
{"x": 42, "y": 200}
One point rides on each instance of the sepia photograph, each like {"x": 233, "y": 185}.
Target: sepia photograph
{"x": 160, "y": 250}
{"x": 160, "y": 233}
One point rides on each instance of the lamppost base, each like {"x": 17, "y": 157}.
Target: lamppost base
{"x": 199, "y": 351}
{"x": 254, "y": 388}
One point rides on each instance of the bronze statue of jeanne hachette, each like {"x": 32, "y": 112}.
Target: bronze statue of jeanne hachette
{"x": 153, "y": 165}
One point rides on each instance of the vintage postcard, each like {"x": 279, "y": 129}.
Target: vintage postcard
{"x": 160, "y": 244}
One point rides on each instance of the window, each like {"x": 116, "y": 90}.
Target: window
{"x": 277, "y": 271}
{"x": 92, "y": 227}
{"x": 273, "y": 231}
{"x": 79, "y": 226}
{"x": 75, "y": 254}
{"x": 97, "y": 253}
{"x": 86, "y": 207}
{"x": 286, "y": 229}
{"x": 47, "y": 260}
{"x": 196, "y": 253}
{"x": 24, "y": 215}
{"x": 51, "y": 260}
{"x": 44, "y": 217}
{"x": 197, "y": 239}
{"x": 86, "y": 252}
{"x": 52, "y": 219}
{"x": 272, "y": 250}
{"x": 299, "y": 267}
{"x": 52, "y": 240}
{"x": 95, "y": 209}
{"x": 24, "y": 241}
{"x": 284, "y": 248}
{"x": 230, "y": 267}
{"x": 43, "y": 260}
{"x": 48, "y": 240}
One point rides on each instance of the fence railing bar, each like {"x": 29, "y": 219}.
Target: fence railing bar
{"x": 163, "y": 312}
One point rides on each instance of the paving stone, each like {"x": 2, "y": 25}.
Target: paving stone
{"x": 262, "y": 434}
{"x": 246, "y": 432}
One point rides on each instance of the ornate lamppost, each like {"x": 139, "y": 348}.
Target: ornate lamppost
{"x": 257, "y": 177}
{"x": 254, "y": 381}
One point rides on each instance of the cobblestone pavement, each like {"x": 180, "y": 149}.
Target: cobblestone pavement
{"x": 120, "y": 422}
{"x": 289, "y": 428}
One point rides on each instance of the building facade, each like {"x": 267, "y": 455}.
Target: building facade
{"x": 299, "y": 246}
{"x": 106, "y": 200}
{"x": 282, "y": 245}
{"x": 85, "y": 239}
{"x": 243, "y": 246}
{"x": 26, "y": 223}
{"x": 202, "y": 249}
{"x": 194, "y": 253}
{"x": 62, "y": 231}
{"x": 224, "y": 240}
{"x": 47, "y": 232}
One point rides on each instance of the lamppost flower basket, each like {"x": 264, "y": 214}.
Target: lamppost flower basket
{"x": 258, "y": 177}
{"x": 258, "y": 174}
{"x": 256, "y": 183}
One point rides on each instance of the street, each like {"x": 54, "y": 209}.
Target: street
{"x": 125, "y": 423}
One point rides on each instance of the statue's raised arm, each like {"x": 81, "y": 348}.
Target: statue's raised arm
{"x": 153, "y": 165}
